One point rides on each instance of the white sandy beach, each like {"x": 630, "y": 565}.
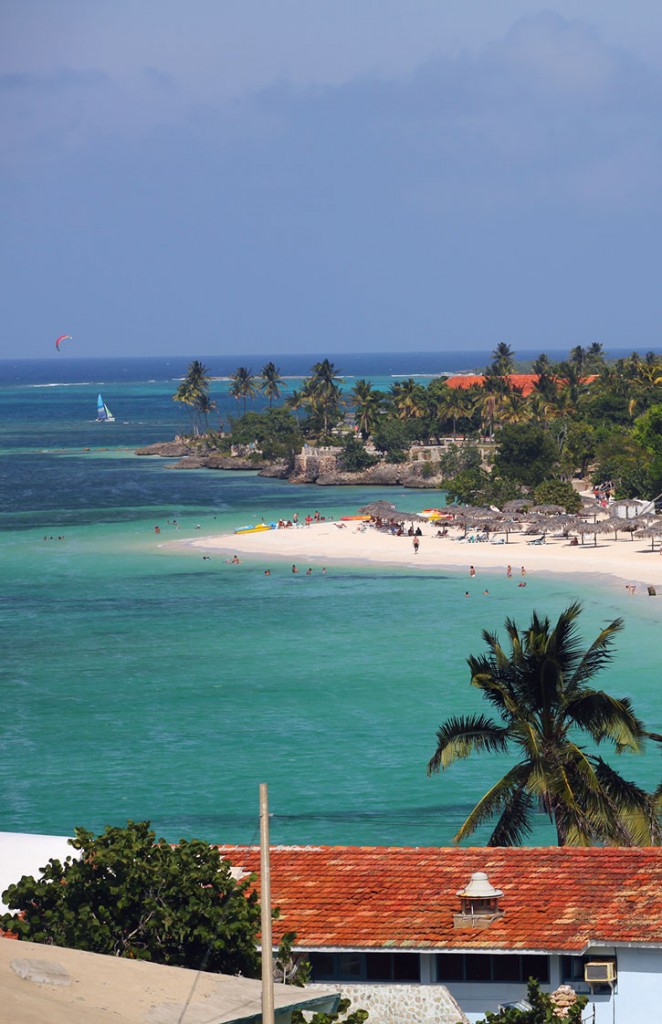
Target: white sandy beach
{"x": 626, "y": 561}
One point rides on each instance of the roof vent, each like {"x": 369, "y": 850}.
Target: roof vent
{"x": 479, "y": 903}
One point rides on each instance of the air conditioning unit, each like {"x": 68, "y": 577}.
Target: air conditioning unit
{"x": 600, "y": 972}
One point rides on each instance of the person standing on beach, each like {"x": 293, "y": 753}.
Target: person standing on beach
{"x": 522, "y": 571}
{"x": 472, "y": 571}
{"x": 416, "y": 543}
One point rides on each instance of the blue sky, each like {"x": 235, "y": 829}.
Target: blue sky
{"x": 325, "y": 176}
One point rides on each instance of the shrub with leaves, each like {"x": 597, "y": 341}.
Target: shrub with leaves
{"x": 129, "y": 895}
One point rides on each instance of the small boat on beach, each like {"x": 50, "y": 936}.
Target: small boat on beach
{"x": 260, "y": 528}
{"x": 104, "y": 415}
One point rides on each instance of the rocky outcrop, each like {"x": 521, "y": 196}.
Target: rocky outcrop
{"x": 166, "y": 449}
{"x": 405, "y": 474}
{"x": 313, "y": 466}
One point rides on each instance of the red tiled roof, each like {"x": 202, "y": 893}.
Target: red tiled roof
{"x": 556, "y": 899}
{"x": 524, "y": 382}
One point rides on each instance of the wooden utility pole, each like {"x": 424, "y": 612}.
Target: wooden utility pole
{"x": 265, "y": 907}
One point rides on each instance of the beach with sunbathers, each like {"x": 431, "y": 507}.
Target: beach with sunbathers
{"x": 631, "y": 561}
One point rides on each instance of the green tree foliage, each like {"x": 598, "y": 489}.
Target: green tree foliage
{"x": 244, "y": 385}
{"x": 341, "y": 1017}
{"x": 323, "y": 396}
{"x": 270, "y": 382}
{"x": 193, "y": 392}
{"x": 455, "y": 405}
{"x": 648, "y": 430}
{"x": 394, "y": 438}
{"x": 578, "y": 444}
{"x": 525, "y": 453}
{"x": 558, "y": 492}
{"x": 129, "y": 895}
{"x": 541, "y": 690}
{"x": 276, "y": 432}
{"x": 408, "y": 399}
{"x": 634, "y": 472}
{"x": 368, "y": 407}
{"x": 543, "y": 1010}
{"x": 478, "y": 487}
{"x": 503, "y": 360}
{"x": 354, "y": 458}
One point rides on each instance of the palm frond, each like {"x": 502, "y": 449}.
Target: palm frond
{"x": 495, "y": 800}
{"x": 598, "y": 655}
{"x": 632, "y": 807}
{"x": 607, "y": 717}
{"x": 515, "y": 823}
{"x": 458, "y": 737}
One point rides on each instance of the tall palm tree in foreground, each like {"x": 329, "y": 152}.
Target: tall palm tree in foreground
{"x": 542, "y": 693}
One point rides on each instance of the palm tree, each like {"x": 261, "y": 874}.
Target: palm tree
{"x": 194, "y": 393}
{"x": 295, "y": 400}
{"x": 540, "y": 689}
{"x": 595, "y": 358}
{"x": 243, "y": 384}
{"x": 322, "y": 389}
{"x": 577, "y": 359}
{"x": 408, "y": 399}
{"x": 368, "y": 407}
{"x": 455, "y": 405}
{"x": 514, "y": 408}
{"x": 205, "y": 406}
{"x": 503, "y": 360}
{"x": 271, "y": 382}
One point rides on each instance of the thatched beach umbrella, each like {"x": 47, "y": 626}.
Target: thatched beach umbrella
{"x": 517, "y": 505}
{"x": 507, "y": 525}
{"x": 377, "y": 508}
{"x": 580, "y": 526}
{"x": 548, "y": 509}
{"x": 654, "y": 531}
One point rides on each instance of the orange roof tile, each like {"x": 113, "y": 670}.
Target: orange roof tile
{"x": 555, "y": 899}
{"x": 524, "y": 382}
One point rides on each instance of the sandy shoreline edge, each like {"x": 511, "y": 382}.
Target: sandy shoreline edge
{"x": 626, "y": 561}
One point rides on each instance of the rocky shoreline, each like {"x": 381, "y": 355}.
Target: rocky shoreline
{"x": 320, "y": 471}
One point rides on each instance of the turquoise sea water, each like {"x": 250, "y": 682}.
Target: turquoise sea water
{"x": 141, "y": 681}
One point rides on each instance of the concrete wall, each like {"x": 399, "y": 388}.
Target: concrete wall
{"x": 401, "y": 1003}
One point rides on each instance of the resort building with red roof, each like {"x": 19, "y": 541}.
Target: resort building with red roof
{"x": 398, "y": 927}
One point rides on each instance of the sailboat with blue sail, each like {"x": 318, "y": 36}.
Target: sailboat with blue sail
{"x": 104, "y": 415}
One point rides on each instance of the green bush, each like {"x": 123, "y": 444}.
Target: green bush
{"x": 558, "y": 492}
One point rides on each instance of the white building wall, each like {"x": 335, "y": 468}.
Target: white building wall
{"x": 638, "y": 996}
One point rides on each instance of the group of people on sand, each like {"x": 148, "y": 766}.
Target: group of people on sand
{"x": 285, "y": 524}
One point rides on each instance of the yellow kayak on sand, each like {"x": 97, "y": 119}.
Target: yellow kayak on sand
{"x": 256, "y": 529}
